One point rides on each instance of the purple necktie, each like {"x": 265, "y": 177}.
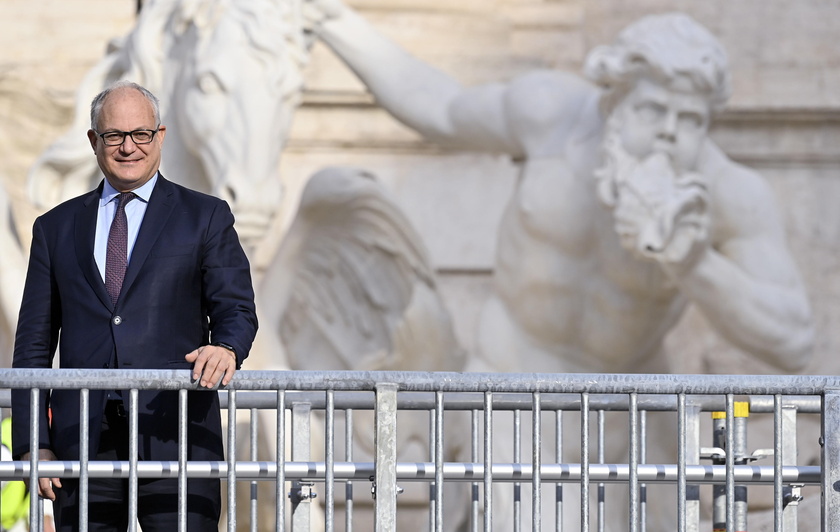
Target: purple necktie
{"x": 116, "y": 258}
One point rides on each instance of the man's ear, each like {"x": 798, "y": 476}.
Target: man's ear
{"x": 92, "y": 136}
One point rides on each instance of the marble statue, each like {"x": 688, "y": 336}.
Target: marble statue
{"x": 625, "y": 212}
{"x": 229, "y": 77}
{"x": 352, "y": 288}
{"x": 12, "y": 275}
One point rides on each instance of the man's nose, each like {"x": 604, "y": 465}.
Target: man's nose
{"x": 128, "y": 144}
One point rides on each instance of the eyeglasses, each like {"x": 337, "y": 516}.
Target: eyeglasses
{"x": 138, "y": 136}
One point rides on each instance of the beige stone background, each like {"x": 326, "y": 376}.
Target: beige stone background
{"x": 783, "y": 120}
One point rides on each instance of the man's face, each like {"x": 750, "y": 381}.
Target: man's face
{"x": 670, "y": 119}
{"x": 129, "y": 165}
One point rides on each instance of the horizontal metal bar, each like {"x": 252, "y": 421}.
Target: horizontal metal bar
{"x": 421, "y": 471}
{"x": 365, "y": 400}
{"x": 475, "y": 401}
{"x": 595, "y": 383}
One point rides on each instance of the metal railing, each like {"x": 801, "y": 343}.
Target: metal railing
{"x": 473, "y": 410}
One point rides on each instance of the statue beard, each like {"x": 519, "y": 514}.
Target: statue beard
{"x": 660, "y": 211}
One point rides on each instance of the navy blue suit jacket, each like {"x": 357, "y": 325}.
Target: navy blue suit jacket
{"x": 188, "y": 283}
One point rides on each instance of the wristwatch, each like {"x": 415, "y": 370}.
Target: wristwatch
{"x": 228, "y": 347}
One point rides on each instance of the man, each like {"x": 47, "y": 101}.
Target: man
{"x": 624, "y": 213}
{"x": 185, "y": 301}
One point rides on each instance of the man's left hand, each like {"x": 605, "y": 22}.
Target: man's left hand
{"x": 212, "y": 363}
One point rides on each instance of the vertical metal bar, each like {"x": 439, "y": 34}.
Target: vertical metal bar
{"x": 329, "y": 451}
{"x": 40, "y": 525}
{"x": 231, "y": 461}
{"x": 348, "y": 456}
{"x": 692, "y": 456}
{"x": 182, "y": 458}
{"x": 34, "y": 448}
{"x": 558, "y": 454}
{"x": 681, "y": 461}
{"x": 280, "y": 458}
{"x": 777, "y": 463}
{"x": 584, "y": 462}
{"x": 432, "y": 457}
{"x": 253, "y": 438}
{"x": 633, "y": 462}
{"x": 536, "y": 464}
{"x": 719, "y": 490}
{"x": 791, "y": 494}
{"x": 438, "y": 432}
{"x": 133, "y": 395}
{"x": 599, "y": 417}
{"x": 301, "y": 511}
{"x": 84, "y": 461}
{"x": 488, "y": 461}
{"x": 517, "y": 459}
{"x": 474, "y": 459}
{"x": 385, "y": 443}
{"x": 730, "y": 463}
{"x": 741, "y": 414}
{"x": 643, "y": 460}
{"x": 830, "y": 459}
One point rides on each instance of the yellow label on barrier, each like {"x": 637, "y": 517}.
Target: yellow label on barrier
{"x": 741, "y": 409}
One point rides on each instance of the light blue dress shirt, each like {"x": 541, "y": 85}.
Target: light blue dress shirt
{"x": 134, "y": 212}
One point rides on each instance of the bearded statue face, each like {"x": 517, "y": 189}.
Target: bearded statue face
{"x": 653, "y": 141}
{"x": 669, "y": 119}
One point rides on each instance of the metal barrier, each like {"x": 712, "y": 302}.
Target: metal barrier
{"x": 476, "y": 401}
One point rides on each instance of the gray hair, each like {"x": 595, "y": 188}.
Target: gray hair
{"x": 99, "y": 100}
{"x": 666, "y": 47}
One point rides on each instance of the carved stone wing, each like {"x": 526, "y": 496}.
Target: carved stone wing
{"x": 352, "y": 287}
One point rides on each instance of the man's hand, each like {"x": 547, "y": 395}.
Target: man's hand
{"x": 212, "y": 363}
{"x": 45, "y": 485}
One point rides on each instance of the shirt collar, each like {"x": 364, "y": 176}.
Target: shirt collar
{"x": 144, "y": 192}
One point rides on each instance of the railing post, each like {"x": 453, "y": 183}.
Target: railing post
{"x": 385, "y": 442}
{"x": 302, "y": 492}
{"x": 831, "y": 460}
{"x": 692, "y": 457}
{"x": 789, "y": 453}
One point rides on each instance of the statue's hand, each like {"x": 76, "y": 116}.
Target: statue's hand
{"x": 316, "y": 12}
{"x": 660, "y": 215}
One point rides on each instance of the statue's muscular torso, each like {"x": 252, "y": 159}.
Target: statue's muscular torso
{"x": 565, "y": 289}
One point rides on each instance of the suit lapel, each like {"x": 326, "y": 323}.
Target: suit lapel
{"x": 161, "y": 203}
{"x": 84, "y": 235}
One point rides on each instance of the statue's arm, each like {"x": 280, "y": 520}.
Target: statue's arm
{"x": 746, "y": 282}
{"x": 489, "y": 117}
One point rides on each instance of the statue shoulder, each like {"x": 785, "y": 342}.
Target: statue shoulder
{"x": 742, "y": 196}
{"x": 551, "y": 102}
{"x": 730, "y": 177}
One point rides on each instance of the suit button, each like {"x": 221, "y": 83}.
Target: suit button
{"x": 117, "y": 320}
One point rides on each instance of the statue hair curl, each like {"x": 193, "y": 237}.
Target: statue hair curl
{"x": 665, "y": 47}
